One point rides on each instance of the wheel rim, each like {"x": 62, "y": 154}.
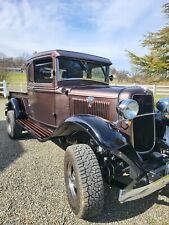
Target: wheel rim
{"x": 9, "y": 126}
{"x": 71, "y": 180}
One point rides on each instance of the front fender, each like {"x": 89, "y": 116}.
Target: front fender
{"x": 102, "y": 131}
{"x": 104, "y": 134}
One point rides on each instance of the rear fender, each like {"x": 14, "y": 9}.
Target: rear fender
{"x": 15, "y": 104}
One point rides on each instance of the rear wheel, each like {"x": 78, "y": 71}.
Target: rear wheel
{"x": 84, "y": 182}
{"x": 14, "y": 130}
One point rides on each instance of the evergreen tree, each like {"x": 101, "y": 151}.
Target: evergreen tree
{"x": 157, "y": 61}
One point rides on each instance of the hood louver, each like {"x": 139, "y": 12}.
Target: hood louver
{"x": 98, "y": 108}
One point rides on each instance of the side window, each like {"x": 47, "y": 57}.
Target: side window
{"x": 43, "y": 70}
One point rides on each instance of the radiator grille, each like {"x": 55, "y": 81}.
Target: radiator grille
{"x": 143, "y": 127}
{"x": 98, "y": 108}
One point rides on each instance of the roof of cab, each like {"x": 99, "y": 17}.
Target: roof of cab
{"x": 75, "y": 55}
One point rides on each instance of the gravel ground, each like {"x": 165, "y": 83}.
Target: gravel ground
{"x": 32, "y": 189}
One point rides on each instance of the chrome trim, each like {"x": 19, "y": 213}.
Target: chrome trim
{"x": 132, "y": 136}
{"x": 145, "y": 152}
{"x": 146, "y": 114}
{"x": 71, "y": 180}
{"x": 90, "y": 100}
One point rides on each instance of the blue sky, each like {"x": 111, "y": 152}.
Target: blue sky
{"x": 101, "y": 27}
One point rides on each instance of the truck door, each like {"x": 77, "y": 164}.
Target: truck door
{"x": 41, "y": 92}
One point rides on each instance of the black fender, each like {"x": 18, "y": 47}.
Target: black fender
{"x": 15, "y": 104}
{"x": 103, "y": 133}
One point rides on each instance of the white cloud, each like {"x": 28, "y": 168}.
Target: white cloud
{"x": 117, "y": 14}
{"x": 98, "y": 26}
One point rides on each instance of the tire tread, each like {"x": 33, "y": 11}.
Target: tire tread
{"x": 91, "y": 180}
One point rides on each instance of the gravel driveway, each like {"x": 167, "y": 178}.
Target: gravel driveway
{"x": 32, "y": 189}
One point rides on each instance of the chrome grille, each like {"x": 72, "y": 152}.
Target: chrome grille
{"x": 143, "y": 127}
{"x": 98, "y": 108}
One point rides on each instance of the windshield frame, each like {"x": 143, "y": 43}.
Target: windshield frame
{"x": 82, "y": 63}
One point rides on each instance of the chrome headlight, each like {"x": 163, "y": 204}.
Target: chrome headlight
{"x": 163, "y": 105}
{"x": 128, "y": 109}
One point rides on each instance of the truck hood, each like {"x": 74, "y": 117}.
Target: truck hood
{"x": 108, "y": 91}
{"x": 98, "y": 89}
{"x": 101, "y": 100}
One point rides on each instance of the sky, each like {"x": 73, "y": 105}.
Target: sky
{"x": 101, "y": 27}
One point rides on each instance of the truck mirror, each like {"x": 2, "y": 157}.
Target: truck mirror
{"x": 111, "y": 77}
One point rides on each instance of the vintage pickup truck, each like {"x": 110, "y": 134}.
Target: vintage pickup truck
{"x": 111, "y": 134}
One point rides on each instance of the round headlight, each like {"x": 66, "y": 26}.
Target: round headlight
{"x": 163, "y": 105}
{"x": 128, "y": 109}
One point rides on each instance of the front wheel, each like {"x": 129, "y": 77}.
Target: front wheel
{"x": 84, "y": 182}
{"x": 14, "y": 130}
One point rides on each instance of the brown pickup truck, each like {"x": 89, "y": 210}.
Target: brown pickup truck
{"x": 111, "y": 134}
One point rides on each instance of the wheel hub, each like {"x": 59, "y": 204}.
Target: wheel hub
{"x": 9, "y": 125}
{"x": 71, "y": 181}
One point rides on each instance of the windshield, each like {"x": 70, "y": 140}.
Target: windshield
{"x": 81, "y": 69}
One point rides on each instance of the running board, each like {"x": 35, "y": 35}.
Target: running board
{"x": 39, "y": 132}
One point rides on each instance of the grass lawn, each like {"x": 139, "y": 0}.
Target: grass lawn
{"x": 16, "y": 81}
{"x": 20, "y": 78}
{"x": 16, "y": 77}
{"x": 157, "y": 97}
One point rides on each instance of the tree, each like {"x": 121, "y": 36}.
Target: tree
{"x": 11, "y": 63}
{"x": 157, "y": 61}
{"x": 3, "y": 70}
{"x": 120, "y": 76}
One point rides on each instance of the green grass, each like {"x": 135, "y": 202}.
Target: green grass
{"x": 20, "y": 78}
{"x": 157, "y": 97}
{"x": 16, "y": 77}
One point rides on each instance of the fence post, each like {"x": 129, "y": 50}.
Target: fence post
{"x": 154, "y": 89}
{"x": 4, "y": 89}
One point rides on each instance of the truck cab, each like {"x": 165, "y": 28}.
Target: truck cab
{"x": 52, "y": 75}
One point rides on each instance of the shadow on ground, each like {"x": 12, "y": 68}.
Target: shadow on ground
{"x": 10, "y": 150}
{"x": 115, "y": 211}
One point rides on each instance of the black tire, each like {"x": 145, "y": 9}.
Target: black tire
{"x": 84, "y": 182}
{"x": 14, "y": 130}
